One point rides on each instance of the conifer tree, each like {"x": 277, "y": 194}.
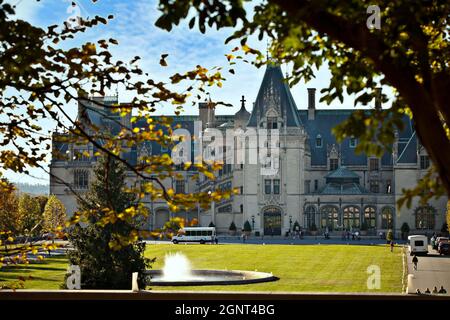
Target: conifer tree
{"x": 104, "y": 265}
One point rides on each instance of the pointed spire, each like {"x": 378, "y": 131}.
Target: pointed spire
{"x": 274, "y": 93}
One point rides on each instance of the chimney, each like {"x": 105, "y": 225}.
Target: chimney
{"x": 207, "y": 114}
{"x": 311, "y": 103}
{"x": 378, "y": 98}
{"x": 82, "y": 102}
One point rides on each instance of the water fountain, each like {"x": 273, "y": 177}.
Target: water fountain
{"x": 177, "y": 271}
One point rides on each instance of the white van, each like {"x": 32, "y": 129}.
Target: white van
{"x": 195, "y": 234}
{"x": 418, "y": 244}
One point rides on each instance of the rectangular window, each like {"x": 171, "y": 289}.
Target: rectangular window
{"x": 374, "y": 186}
{"x": 424, "y": 162}
{"x": 276, "y": 186}
{"x": 374, "y": 164}
{"x": 242, "y": 190}
{"x": 316, "y": 185}
{"x": 180, "y": 186}
{"x": 333, "y": 164}
{"x": 318, "y": 142}
{"x": 307, "y": 186}
{"x": 353, "y": 142}
{"x": 81, "y": 179}
{"x": 267, "y": 186}
{"x": 272, "y": 123}
{"x": 241, "y": 208}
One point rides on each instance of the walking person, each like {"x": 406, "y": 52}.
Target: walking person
{"x": 392, "y": 245}
{"x": 415, "y": 261}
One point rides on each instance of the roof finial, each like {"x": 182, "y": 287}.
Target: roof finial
{"x": 243, "y": 102}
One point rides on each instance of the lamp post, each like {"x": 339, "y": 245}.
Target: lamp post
{"x": 290, "y": 223}
{"x": 253, "y": 223}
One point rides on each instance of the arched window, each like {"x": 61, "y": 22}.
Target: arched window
{"x": 310, "y": 214}
{"x": 387, "y": 218}
{"x": 425, "y": 217}
{"x": 370, "y": 217}
{"x": 351, "y": 217}
{"x": 329, "y": 217}
{"x": 81, "y": 179}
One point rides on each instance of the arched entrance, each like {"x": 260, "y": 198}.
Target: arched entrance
{"x": 272, "y": 221}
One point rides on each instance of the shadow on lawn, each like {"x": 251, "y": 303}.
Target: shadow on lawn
{"x": 16, "y": 278}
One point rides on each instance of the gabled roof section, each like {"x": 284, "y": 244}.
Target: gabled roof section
{"x": 342, "y": 173}
{"x": 275, "y": 93}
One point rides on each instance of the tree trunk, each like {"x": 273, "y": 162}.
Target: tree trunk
{"x": 424, "y": 104}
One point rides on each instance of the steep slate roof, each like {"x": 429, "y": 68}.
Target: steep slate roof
{"x": 322, "y": 124}
{"x": 274, "y": 91}
{"x": 325, "y": 120}
{"x": 407, "y": 143}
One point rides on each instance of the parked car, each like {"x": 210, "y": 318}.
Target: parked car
{"x": 438, "y": 241}
{"x": 444, "y": 248}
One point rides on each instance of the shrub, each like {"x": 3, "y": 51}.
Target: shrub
{"x": 404, "y": 228}
{"x": 211, "y": 225}
{"x": 296, "y": 224}
{"x": 247, "y": 226}
{"x": 232, "y": 227}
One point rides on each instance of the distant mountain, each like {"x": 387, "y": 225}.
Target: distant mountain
{"x": 36, "y": 189}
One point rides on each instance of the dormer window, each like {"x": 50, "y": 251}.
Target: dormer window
{"x": 374, "y": 164}
{"x": 319, "y": 141}
{"x": 272, "y": 123}
{"x": 353, "y": 142}
{"x": 334, "y": 164}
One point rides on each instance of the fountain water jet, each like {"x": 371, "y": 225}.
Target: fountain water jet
{"x": 177, "y": 271}
{"x": 177, "y": 267}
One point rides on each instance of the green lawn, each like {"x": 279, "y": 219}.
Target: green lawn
{"x": 325, "y": 268}
{"x": 47, "y": 274}
{"x": 332, "y": 268}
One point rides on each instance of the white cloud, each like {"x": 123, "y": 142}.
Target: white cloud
{"x": 26, "y": 9}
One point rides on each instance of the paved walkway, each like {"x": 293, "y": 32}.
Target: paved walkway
{"x": 290, "y": 241}
{"x": 432, "y": 270}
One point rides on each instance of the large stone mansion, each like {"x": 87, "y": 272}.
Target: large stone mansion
{"x": 318, "y": 182}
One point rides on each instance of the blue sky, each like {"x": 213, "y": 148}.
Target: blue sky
{"x": 133, "y": 27}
